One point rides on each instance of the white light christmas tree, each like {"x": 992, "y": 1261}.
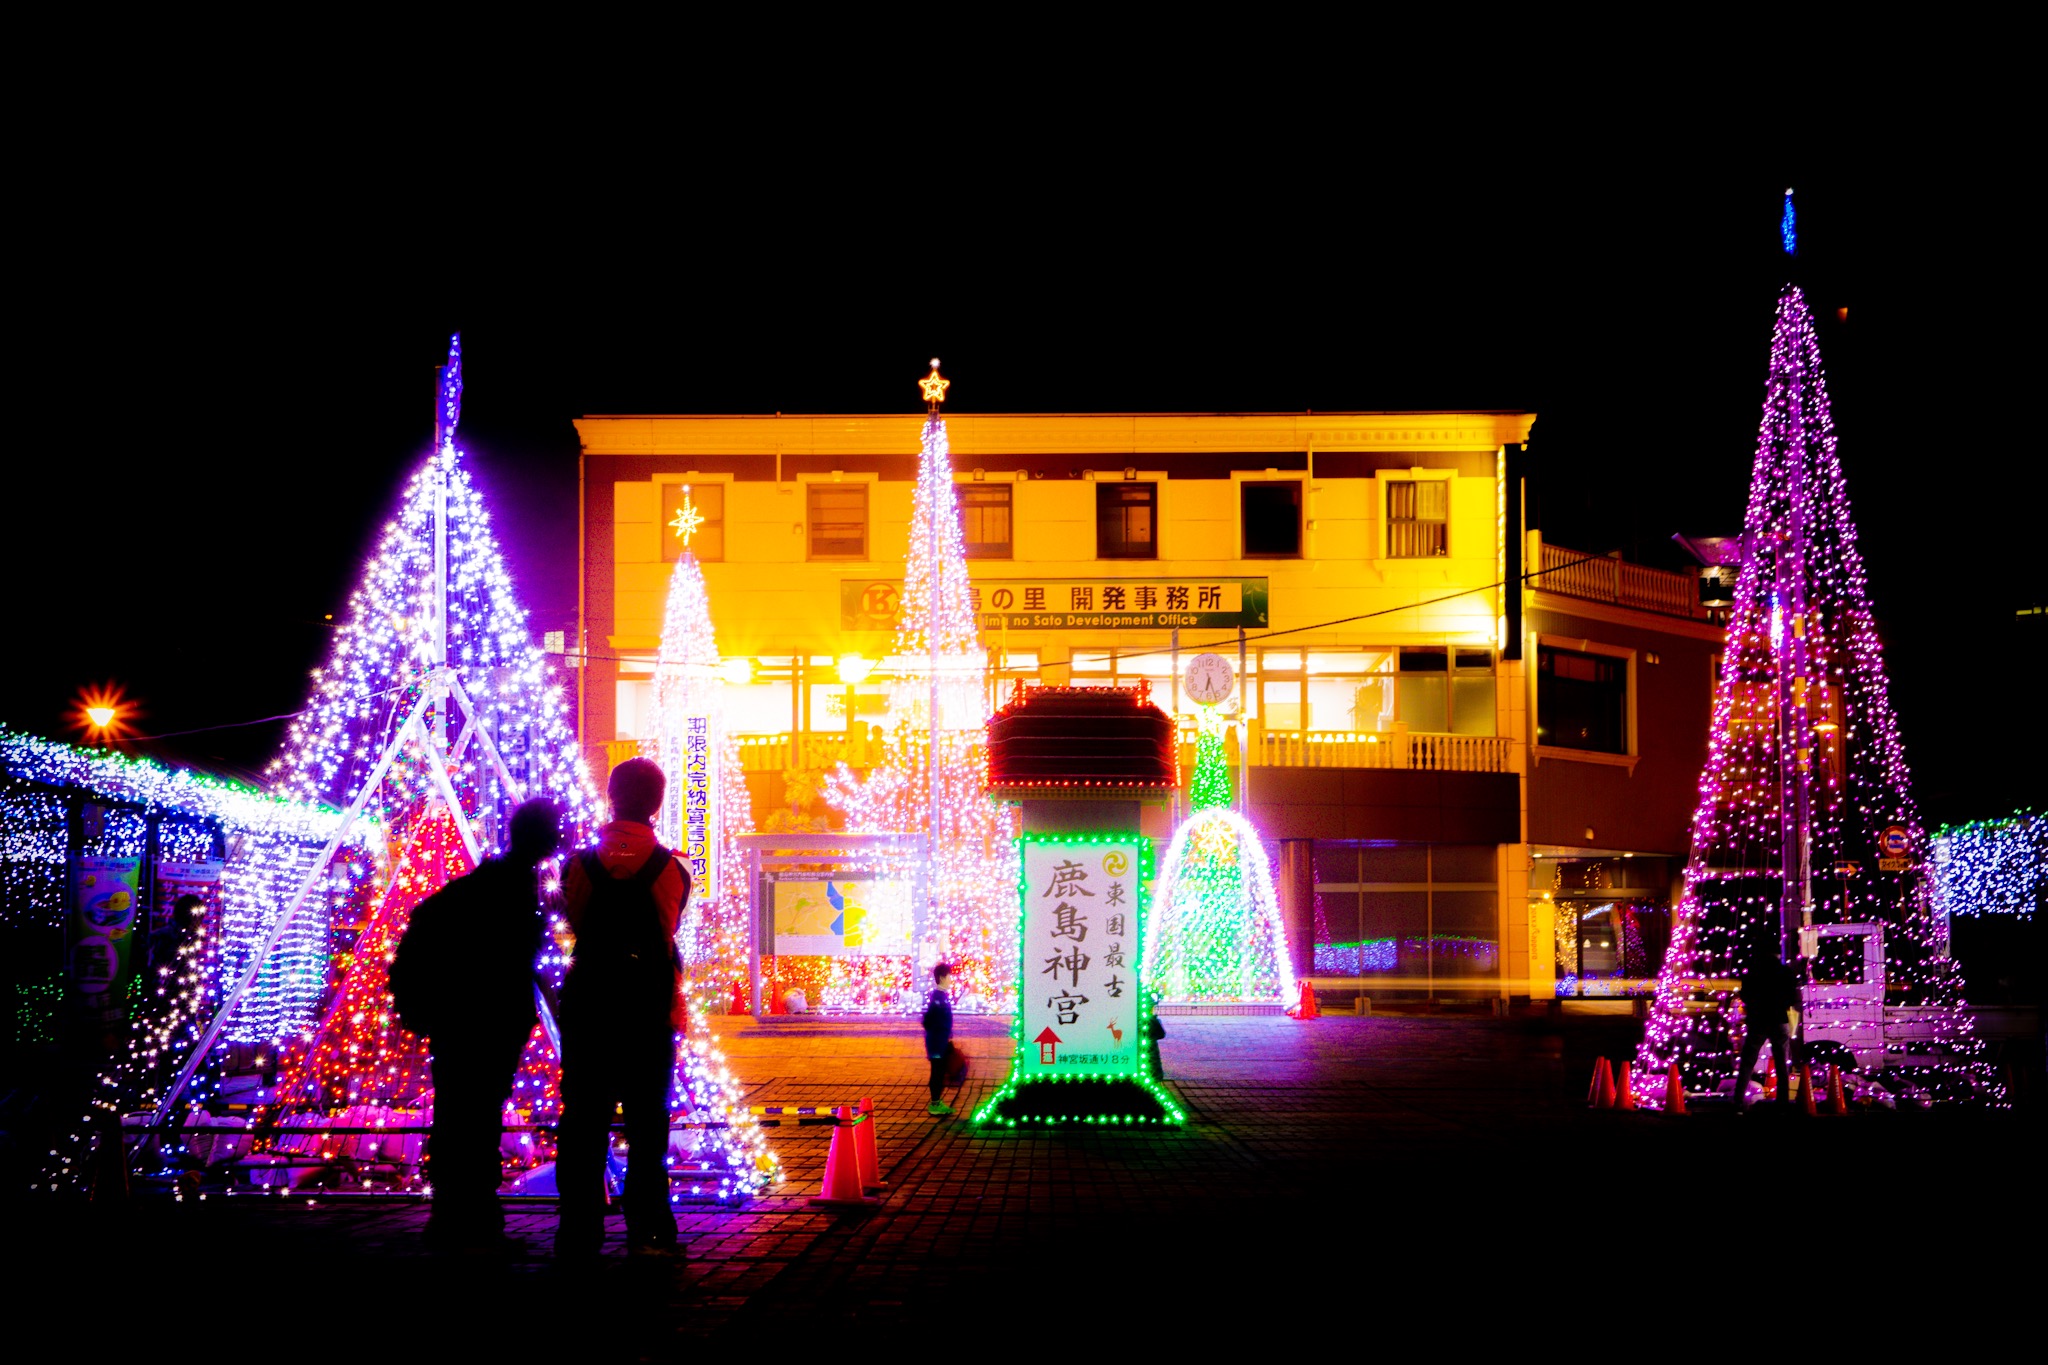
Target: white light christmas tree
{"x": 435, "y": 692}
{"x": 930, "y": 782}
{"x": 1216, "y": 932}
{"x": 705, "y": 810}
{"x": 1805, "y": 773}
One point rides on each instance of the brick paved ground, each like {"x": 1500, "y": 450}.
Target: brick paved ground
{"x": 1370, "y": 1181}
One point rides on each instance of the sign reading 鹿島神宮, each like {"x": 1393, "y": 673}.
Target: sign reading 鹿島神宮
{"x": 1080, "y": 1006}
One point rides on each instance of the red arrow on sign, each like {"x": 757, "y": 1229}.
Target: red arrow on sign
{"x": 1047, "y": 1041}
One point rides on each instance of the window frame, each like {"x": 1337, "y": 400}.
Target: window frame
{"x": 1300, "y": 550}
{"x": 1631, "y": 755}
{"x": 1388, "y": 522}
{"x": 964, "y": 487}
{"x": 811, "y": 523}
{"x": 1104, "y": 487}
{"x": 695, "y": 482}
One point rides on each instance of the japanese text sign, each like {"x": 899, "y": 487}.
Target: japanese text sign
{"x": 1081, "y": 1009}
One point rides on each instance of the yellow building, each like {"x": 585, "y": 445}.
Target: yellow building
{"x": 1353, "y": 561}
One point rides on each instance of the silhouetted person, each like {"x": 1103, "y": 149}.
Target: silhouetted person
{"x": 464, "y": 977}
{"x": 1769, "y": 995}
{"x": 938, "y": 1035}
{"x": 621, "y": 1006}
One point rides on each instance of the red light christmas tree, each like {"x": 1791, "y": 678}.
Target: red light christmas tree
{"x": 1804, "y": 770}
{"x": 932, "y": 778}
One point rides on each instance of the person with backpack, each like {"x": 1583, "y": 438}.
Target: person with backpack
{"x": 622, "y": 1004}
{"x": 463, "y": 977}
{"x": 1770, "y": 995}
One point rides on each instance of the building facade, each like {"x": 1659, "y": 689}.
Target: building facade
{"x": 1363, "y": 572}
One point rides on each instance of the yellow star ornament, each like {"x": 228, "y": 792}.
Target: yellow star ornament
{"x": 934, "y": 387}
{"x": 687, "y": 519}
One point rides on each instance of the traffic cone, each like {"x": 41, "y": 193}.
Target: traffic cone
{"x": 1806, "y": 1087}
{"x": 1306, "y": 1009}
{"x": 1674, "y": 1091}
{"x": 1593, "y": 1087}
{"x": 1770, "y": 1079}
{"x": 1838, "y": 1103}
{"x": 1603, "y": 1085}
{"x": 1625, "y": 1095}
{"x": 739, "y": 1001}
{"x": 864, "y": 1147}
{"x": 842, "y": 1170}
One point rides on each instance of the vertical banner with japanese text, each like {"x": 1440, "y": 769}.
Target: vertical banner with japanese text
{"x": 1080, "y": 998}
{"x": 700, "y": 795}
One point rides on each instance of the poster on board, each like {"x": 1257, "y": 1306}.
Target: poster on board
{"x": 1082, "y": 1009}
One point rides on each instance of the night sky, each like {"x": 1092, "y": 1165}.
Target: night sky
{"x": 236, "y": 359}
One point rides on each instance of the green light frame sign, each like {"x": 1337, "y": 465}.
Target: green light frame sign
{"x": 1062, "y": 943}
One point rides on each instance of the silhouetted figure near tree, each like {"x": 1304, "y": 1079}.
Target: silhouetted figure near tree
{"x": 622, "y": 1004}
{"x": 463, "y": 976}
{"x": 1770, "y": 996}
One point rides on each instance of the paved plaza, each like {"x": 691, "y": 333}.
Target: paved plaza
{"x": 1364, "y": 1180}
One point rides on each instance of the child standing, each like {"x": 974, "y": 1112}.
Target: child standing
{"x": 938, "y": 1035}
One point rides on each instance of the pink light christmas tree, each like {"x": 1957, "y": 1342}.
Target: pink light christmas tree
{"x": 930, "y": 782}
{"x": 1804, "y": 770}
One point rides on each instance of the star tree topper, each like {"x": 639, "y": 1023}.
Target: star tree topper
{"x": 934, "y": 387}
{"x": 688, "y": 519}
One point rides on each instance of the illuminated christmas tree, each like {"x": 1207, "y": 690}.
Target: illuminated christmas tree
{"x": 706, "y": 808}
{"x": 707, "y": 805}
{"x": 1805, "y": 774}
{"x": 1216, "y": 932}
{"x": 930, "y": 781}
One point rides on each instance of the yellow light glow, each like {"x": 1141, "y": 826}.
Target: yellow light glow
{"x": 100, "y": 716}
{"x": 933, "y": 387}
{"x": 854, "y": 668}
{"x": 738, "y": 672}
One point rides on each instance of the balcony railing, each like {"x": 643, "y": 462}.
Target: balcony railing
{"x": 1602, "y": 578}
{"x": 774, "y": 753}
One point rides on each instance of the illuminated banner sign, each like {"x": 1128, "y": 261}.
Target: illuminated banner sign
{"x": 1081, "y": 1009}
{"x": 700, "y": 824}
{"x": 104, "y": 896}
{"x": 1076, "y": 603}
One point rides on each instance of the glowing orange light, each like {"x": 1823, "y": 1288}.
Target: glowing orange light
{"x": 933, "y": 387}
{"x": 102, "y": 712}
{"x": 687, "y": 519}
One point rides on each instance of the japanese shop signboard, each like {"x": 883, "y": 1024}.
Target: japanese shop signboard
{"x": 1081, "y": 1009}
{"x": 1076, "y": 603}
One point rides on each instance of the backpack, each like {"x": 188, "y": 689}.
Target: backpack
{"x": 623, "y": 956}
{"x": 424, "y": 971}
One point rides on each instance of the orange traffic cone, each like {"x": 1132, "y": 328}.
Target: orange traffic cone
{"x": 1593, "y": 1087}
{"x": 739, "y": 1000}
{"x": 864, "y": 1147}
{"x": 842, "y": 1169}
{"x": 1674, "y": 1091}
{"x": 1625, "y": 1095}
{"x": 1306, "y": 1009}
{"x": 1806, "y": 1087}
{"x": 1603, "y": 1086}
{"x": 1770, "y": 1079}
{"x": 1838, "y": 1103}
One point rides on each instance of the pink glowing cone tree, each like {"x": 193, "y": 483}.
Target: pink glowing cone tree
{"x": 1805, "y": 821}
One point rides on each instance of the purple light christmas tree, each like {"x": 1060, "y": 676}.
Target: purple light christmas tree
{"x": 932, "y": 779}
{"x": 1805, "y": 772}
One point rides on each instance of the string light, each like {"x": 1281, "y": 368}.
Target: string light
{"x": 1218, "y": 935}
{"x": 1801, "y": 630}
{"x": 1992, "y": 867}
{"x": 932, "y": 776}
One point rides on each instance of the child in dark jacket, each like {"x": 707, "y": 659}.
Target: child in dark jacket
{"x": 938, "y": 1035}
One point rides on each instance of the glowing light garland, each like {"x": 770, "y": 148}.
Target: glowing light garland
{"x": 931, "y": 778}
{"x": 698, "y": 752}
{"x": 1801, "y": 629}
{"x": 1992, "y": 867}
{"x": 1218, "y": 933}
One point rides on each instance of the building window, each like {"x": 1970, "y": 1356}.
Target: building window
{"x": 1126, "y": 521}
{"x": 1272, "y": 519}
{"x": 707, "y": 501}
{"x": 1581, "y": 700}
{"x": 985, "y": 520}
{"x": 838, "y": 520}
{"x": 1418, "y": 518}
